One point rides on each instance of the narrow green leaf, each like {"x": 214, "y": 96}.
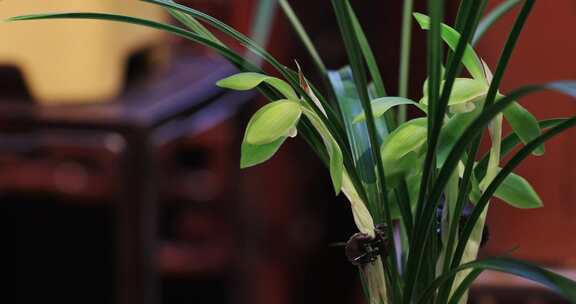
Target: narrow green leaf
{"x": 272, "y": 121}
{"x": 248, "y": 81}
{"x": 464, "y": 286}
{"x": 381, "y": 105}
{"x": 524, "y": 124}
{"x": 492, "y": 17}
{"x": 252, "y": 155}
{"x": 354, "y": 52}
{"x": 470, "y": 59}
{"x": 404, "y": 67}
{"x": 368, "y": 54}
{"x": 194, "y": 25}
{"x": 555, "y": 282}
{"x": 562, "y": 285}
{"x": 351, "y": 43}
{"x": 343, "y": 85}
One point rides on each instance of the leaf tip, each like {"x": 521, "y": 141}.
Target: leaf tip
{"x": 539, "y": 151}
{"x": 421, "y": 19}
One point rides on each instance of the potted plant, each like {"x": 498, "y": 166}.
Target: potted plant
{"x": 422, "y": 177}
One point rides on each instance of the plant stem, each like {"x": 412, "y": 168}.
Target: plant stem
{"x": 405, "y": 45}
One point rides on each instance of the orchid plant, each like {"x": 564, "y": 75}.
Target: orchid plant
{"x": 418, "y": 189}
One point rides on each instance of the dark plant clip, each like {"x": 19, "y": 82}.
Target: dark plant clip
{"x": 362, "y": 249}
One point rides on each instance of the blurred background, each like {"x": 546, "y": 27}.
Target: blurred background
{"x": 119, "y": 161}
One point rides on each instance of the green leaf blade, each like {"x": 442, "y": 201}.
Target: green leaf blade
{"x": 492, "y": 17}
{"x": 272, "y": 121}
{"x": 558, "y": 283}
{"x": 252, "y": 155}
{"x": 517, "y": 192}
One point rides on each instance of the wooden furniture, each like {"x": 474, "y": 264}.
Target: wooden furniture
{"x": 128, "y": 135}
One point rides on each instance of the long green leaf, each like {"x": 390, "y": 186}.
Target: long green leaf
{"x": 350, "y": 106}
{"x": 404, "y": 67}
{"x": 464, "y": 286}
{"x": 555, "y": 282}
{"x": 435, "y": 111}
{"x": 426, "y": 207}
{"x": 194, "y": 25}
{"x": 560, "y": 284}
{"x": 342, "y": 11}
{"x": 492, "y": 17}
{"x": 368, "y": 54}
{"x": 351, "y": 43}
{"x": 373, "y": 69}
